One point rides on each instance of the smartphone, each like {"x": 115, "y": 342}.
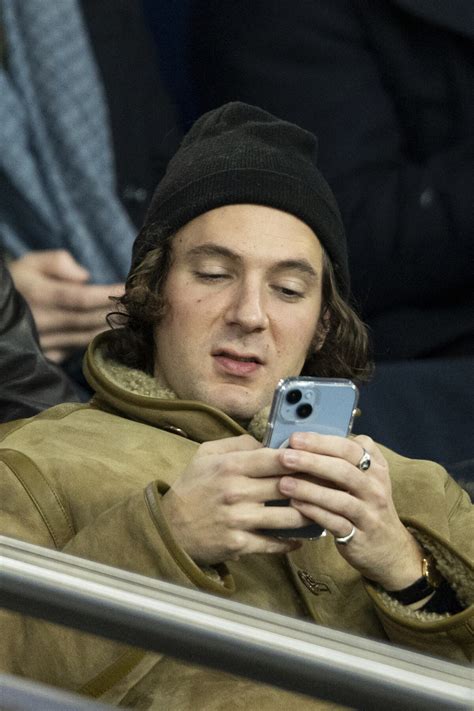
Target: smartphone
{"x": 306, "y": 404}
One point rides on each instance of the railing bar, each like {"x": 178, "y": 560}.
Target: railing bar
{"x": 82, "y": 596}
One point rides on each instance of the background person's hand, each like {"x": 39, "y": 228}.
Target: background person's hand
{"x": 217, "y": 506}
{"x": 337, "y": 495}
{"x": 68, "y": 311}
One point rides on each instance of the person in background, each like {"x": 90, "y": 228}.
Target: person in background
{"x": 388, "y": 88}
{"x": 79, "y": 86}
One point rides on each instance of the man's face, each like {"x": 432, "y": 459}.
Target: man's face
{"x": 244, "y": 299}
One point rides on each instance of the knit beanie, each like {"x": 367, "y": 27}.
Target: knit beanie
{"x": 239, "y": 154}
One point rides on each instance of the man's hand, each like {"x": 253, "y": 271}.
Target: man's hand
{"x": 217, "y": 505}
{"x": 68, "y": 312}
{"x": 334, "y": 493}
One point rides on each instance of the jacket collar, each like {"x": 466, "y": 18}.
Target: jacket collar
{"x": 138, "y": 396}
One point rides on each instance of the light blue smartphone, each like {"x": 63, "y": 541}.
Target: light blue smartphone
{"x": 306, "y": 404}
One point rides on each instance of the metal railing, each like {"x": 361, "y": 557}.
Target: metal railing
{"x": 18, "y": 694}
{"x": 199, "y": 628}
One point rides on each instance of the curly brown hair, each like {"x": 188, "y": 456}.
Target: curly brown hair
{"x": 340, "y": 348}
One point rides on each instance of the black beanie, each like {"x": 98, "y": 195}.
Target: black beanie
{"x": 241, "y": 154}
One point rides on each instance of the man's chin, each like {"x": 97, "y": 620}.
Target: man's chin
{"x": 241, "y": 405}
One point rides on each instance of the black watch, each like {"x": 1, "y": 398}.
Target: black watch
{"x": 429, "y": 582}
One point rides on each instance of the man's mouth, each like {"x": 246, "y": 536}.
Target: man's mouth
{"x": 244, "y": 357}
{"x": 234, "y": 363}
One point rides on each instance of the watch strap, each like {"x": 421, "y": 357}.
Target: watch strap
{"x": 415, "y": 592}
{"x": 426, "y": 585}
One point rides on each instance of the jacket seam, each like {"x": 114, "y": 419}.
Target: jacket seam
{"x": 35, "y": 501}
{"x": 112, "y": 674}
{"x": 452, "y": 512}
{"x": 193, "y": 573}
{"x": 45, "y": 415}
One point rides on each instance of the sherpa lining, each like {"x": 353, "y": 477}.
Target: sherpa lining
{"x": 138, "y": 382}
{"x": 406, "y": 612}
{"x": 132, "y": 379}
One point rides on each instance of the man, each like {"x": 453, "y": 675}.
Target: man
{"x": 86, "y": 131}
{"x": 239, "y": 278}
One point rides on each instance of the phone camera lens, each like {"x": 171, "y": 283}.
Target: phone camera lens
{"x": 293, "y": 396}
{"x": 304, "y": 410}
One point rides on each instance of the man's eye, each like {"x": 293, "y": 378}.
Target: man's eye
{"x": 211, "y": 276}
{"x": 289, "y": 293}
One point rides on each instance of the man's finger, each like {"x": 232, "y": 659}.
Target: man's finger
{"x": 323, "y": 469}
{"x": 55, "y": 320}
{"x": 58, "y": 263}
{"x": 349, "y": 448}
{"x": 68, "y": 340}
{"x": 260, "y": 464}
{"x": 55, "y": 355}
{"x": 334, "y": 500}
{"x": 335, "y": 523}
{"x": 244, "y": 442}
{"x": 83, "y": 297}
{"x": 369, "y": 445}
{"x": 253, "y": 517}
{"x": 274, "y": 546}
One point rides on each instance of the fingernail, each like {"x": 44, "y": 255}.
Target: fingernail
{"x": 287, "y": 485}
{"x": 289, "y": 457}
{"x": 297, "y": 439}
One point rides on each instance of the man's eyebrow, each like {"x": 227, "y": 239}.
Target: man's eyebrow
{"x": 210, "y": 249}
{"x": 301, "y": 265}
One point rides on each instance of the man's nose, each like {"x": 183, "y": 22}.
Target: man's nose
{"x": 248, "y": 308}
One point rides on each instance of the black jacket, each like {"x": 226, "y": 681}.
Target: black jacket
{"x": 29, "y": 383}
{"x": 388, "y": 87}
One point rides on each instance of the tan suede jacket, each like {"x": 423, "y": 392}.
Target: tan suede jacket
{"x": 83, "y": 479}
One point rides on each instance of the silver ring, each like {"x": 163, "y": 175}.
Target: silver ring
{"x": 345, "y": 539}
{"x": 365, "y": 461}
